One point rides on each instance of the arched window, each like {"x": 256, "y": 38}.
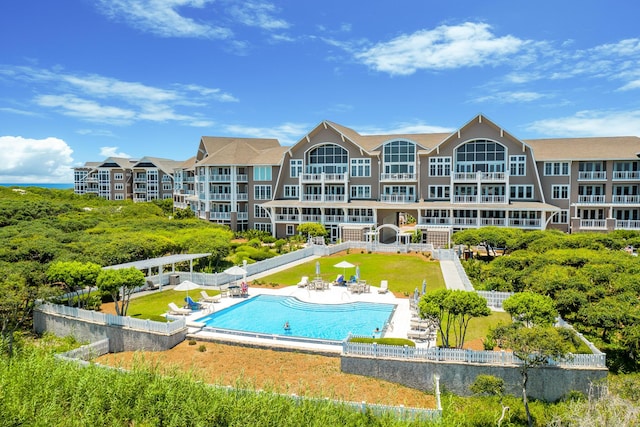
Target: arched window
{"x": 480, "y": 155}
{"x": 399, "y": 157}
{"x": 328, "y": 158}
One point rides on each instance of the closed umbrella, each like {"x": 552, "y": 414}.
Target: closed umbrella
{"x": 424, "y": 286}
{"x": 358, "y": 272}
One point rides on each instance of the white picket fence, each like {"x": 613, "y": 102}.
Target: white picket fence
{"x": 110, "y": 319}
{"x": 461, "y": 355}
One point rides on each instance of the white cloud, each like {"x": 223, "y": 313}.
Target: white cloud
{"x": 102, "y": 99}
{"x": 404, "y": 128}
{"x": 25, "y": 160}
{"x": 161, "y": 17}
{"x": 445, "y": 47}
{"x": 112, "y": 152}
{"x": 510, "y": 97}
{"x": 286, "y": 133}
{"x": 257, "y": 14}
{"x": 591, "y": 123}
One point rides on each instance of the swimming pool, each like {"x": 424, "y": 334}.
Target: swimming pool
{"x": 267, "y": 314}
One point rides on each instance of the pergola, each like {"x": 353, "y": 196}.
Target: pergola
{"x": 160, "y": 262}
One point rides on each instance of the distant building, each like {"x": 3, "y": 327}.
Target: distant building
{"x": 121, "y": 178}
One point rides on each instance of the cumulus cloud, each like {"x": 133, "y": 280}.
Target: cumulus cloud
{"x": 510, "y": 97}
{"x": 445, "y": 47}
{"x": 286, "y": 133}
{"x": 112, "y": 152}
{"x": 25, "y": 160}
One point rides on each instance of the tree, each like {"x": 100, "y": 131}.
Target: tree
{"x": 534, "y": 347}
{"x": 312, "y": 229}
{"x": 530, "y": 309}
{"x": 491, "y": 386}
{"x": 120, "y": 284}
{"x": 20, "y": 287}
{"x": 75, "y": 276}
{"x": 452, "y": 310}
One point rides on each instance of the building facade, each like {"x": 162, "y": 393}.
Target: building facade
{"x": 393, "y": 188}
{"x": 120, "y": 178}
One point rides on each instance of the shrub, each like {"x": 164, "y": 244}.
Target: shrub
{"x": 202, "y": 348}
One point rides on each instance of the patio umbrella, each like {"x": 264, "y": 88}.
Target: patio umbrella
{"x": 358, "y": 272}
{"x": 344, "y": 265}
{"x": 424, "y": 286}
{"x": 186, "y": 286}
{"x": 317, "y": 268}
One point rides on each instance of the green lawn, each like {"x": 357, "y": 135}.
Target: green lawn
{"x": 404, "y": 273}
{"x": 153, "y": 305}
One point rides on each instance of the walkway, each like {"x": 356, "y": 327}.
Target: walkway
{"x": 451, "y": 276}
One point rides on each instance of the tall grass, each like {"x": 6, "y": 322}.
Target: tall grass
{"x": 38, "y": 390}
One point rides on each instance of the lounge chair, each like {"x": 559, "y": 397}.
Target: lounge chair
{"x": 418, "y": 335}
{"x": 192, "y": 304}
{"x": 304, "y": 282}
{"x": 384, "y": 287}
{"x": 174, "y": 309}
{"x": 353, "y": 279}
{"x": 206, "y": 298}
{"x": 339, "y": 280}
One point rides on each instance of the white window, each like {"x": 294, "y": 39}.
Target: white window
{"x": 561, "y": 217}
{"x": 117, "y": 176}
{"x": 440, "y": 166}
{"x": 262, "y": 226}
{"x": 262, "y": 173}
{"x": 118, "y": 186}
{"x": 556, "y": 168}
{"x": 291, "y": 230}
{"x": 291, "y": 191}
{"x": 118, "y": 196}
{"x": 521, "y": 192}
{"x": 517, "y": 165}
{"x": 166, "y": 186}
{"x": 360, "y": 191}
{"x": 262, "y": 192}
{"x": 361, "y": 167}
{"x": 559, "y": 191}
{"x": 259, "y": 212}
{"x": 439, "y": 192}
{"x": 295, "y": 167}
{"x": 167, "y": 196}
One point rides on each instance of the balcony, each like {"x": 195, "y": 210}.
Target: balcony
{"x": 479, "y": 176}
{"x": 224, "y": 197}
{"x": 335, "y": 198}
{"x": 591, "y": 200}
{"x": 627, "y": 224}
{"x": 189, "y": 179}
{"x": 242, "y": 178}
{"x": 626, "y": 175}
{"x": 223, "y": 216}
{"x": 525, "y": 223}
{"x": 242, "y": 197}
{"x": 311, "y": 218}
{"x": 334, "y": 219}
{"x": 397, "y": 198}
{"x": 465, "y": 199}
{"x": 323, "y": 177}
{"x": 398, "y": 177}
{"x": 360, "y": 219}
{"x": 243, "y": 216}
{"x": 311, "y": 197}
{"x": 435, "y": 221}
{"x": 592, "y": 176}
{"x": 219, "y": 178}
{"x": 593, "y": 224}
{"x": 467, "y": 222}
{"x": 140, "y": 178}
{"x": 498, "y": 222}
{"x": 493, "y": 199}
{"x": 626, "y": 200}
{"x": 287, "y": 217}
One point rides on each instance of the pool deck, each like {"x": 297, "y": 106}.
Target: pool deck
{"x": 398, "y": 327}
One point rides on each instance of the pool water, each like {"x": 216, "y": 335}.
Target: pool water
{"x": 268, "y": 314}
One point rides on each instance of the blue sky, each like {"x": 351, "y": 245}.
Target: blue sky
{"x": 81, "y": 80}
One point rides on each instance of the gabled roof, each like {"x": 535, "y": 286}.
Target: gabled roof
{"x": 241, "y": 151}
{"x": 121, "y": 162}
{"x": 187, "y": 164}
{"x": 165, "y": 165}
{"x": 596, "y": 148}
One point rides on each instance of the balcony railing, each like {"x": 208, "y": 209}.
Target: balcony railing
{"x": 626, "y": 175}
{"x": 465, "y": 199}
{"x": 323, "y": 177}
{"x": 593, "y": 223}
{"x": 493, "y": 199}
{"x": 287, "y": 217}
{"x": 628, "y": 224}
{"x": 361, "y": 219}
{"x": 219, "y": 178}
{"x": 592, "y": 176}
{"x": 397, "y": 198}
{"x": 242, "y": 178}
{"x": 435, "y": 221}
{"x": 398, "y": 177}
{"x": 311, "y": 197}
{"x": 311, "y": 218}
{"x": 220, "y": 196}
{"x": 243, "y": 216}
{"x": 499, "y": 222}
{"x": 242, "y": 197}
{"x": 335, "y": 198}
{"x": 466, "y": 221}
{"x": 220, "y": 215}
{"x": 480, "y": 176}
{"x": 526, "y": 223}
{"x": 591, "y": 199}
{"x": 140, "y": 179}
{"x": 333, "y": 219}
{"x": 626, "y": 200}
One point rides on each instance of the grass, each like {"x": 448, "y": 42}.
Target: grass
{"x": 154, "y": 305}
{"x": 404, "y": 273}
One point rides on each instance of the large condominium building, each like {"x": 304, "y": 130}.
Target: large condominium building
{"x": 385, "y": 187}
{"x": 120, "y": 178}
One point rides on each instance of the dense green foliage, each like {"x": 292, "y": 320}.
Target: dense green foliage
{"x": 385, "y": 341}
{"x": 593, "y": 281}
